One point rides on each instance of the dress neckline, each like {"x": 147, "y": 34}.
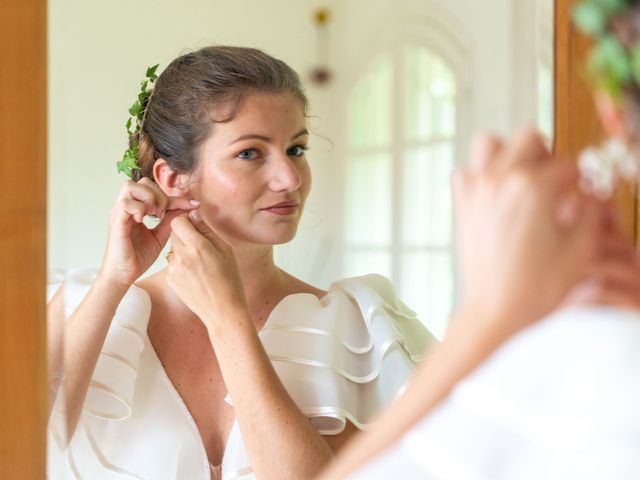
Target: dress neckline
{"x": 214, "y": 469}
{"x": 185, "y": 410}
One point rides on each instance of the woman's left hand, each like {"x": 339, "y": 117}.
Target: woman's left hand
{"x": 202, "y": 269}
{"x": 613, "y": 278}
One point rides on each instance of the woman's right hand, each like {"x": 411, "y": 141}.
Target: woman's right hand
{"x": 132, "y": 247}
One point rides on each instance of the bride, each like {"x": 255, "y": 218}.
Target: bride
{"x": 221, "y": 365}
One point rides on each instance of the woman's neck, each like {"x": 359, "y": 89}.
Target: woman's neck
{"x": 264, "y": 283}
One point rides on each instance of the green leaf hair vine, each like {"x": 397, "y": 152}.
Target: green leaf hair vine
{"x": 129, "y": 162}
{"x": 613, "y": 65}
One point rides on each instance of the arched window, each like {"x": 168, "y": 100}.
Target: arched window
{"x": 402, "y": 132}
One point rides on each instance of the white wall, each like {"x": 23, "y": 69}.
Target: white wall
{"x": 99, "y": 51}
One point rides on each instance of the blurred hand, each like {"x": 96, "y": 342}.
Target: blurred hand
{"x": 132, "y": 247}
{"x": 203, "y": 270}
{"x": 524, "y": 233}
{"x": 613, "y": 278}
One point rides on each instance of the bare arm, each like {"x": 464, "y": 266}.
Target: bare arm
{"x": 131, "y": 249}
{"x": 280, "y": 440}
{"x": 85, "y": 332}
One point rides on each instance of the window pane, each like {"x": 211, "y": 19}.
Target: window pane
{"x": 368, "y": 200}
{"x": 427, "y": 287}
{"x": 370, "y": 108}
{"x": 426, "y": 195}
{"x": 430, "y": 91}
{"x": 358, "y": 262}
{"x": 545, "y": 102}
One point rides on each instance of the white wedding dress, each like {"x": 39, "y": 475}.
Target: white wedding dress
{"x": 561, "y": 400}
{"x": 344, "y": 357}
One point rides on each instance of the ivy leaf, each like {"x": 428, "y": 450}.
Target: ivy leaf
{"x": 129, "y": 161}
{"x": 128, "y": 164}
{"x": 610, "y": 59}
{"x": 134, "y": 111}
{"x": 151, "y": 72}
{"x": 590, "y": 18}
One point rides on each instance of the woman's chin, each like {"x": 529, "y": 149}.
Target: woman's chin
{"x": 282, "y": 237}
{"x": 277, "y": 236}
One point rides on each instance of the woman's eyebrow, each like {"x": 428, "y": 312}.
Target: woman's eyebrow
{"x": 254, "y": 136}
{"x": 264, "y": 138}
{"x": 302, "y": 132}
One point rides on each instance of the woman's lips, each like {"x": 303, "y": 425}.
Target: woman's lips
{"x": 282, "y": 209}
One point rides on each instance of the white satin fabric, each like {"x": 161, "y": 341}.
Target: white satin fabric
{"x": 559, "y": 401}
{"x": 343, "y": 357}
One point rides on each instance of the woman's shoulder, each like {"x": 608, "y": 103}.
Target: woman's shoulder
{"x": 347, "y": 355}
{"x": 354, "y": 311}
{"x": 72, "y": 285}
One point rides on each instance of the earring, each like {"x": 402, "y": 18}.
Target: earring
{"x": 600, "y": 167}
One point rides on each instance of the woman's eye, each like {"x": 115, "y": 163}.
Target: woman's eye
{"x": 249, "y": 154}
{"x": 297, "y": 151}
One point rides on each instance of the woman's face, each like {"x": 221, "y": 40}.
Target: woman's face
{"x": 252, "y": 177}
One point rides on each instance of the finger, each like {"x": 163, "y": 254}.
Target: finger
{"x": 161, "y": 200}
{"x": 183, "y": 229}
{"x": 617, "y": 272}
{"x": 162, "y": 231}
{"x": 561, "y": 177}
{"x": 611, "y": 220}
{"x": 153, "y": 199}
{"x": 204, "y": 229}
{"x": 611, "y": 296}
{"x": 128, "y": 208}
{"x": 182, "y": 203}
{"x": 177, "y": 245}
{"x": 485, "y": 147}
{"x": 614, "y": 245}
{"x": 528, "y": 147}
{"x": 584, "y": 230}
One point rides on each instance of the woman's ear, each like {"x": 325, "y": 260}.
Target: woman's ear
{"x": 611, "y": 116}
{"x": 172, "y": 183}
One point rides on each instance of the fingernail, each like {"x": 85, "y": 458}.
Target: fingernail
{"x": 195, "y": 203}
{"x": 195, "y": 215}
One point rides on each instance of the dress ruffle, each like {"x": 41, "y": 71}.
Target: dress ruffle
{"x": 344, "y": 357}
{"x": 110, "y": 393}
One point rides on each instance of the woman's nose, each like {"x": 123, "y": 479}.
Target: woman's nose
{"x": 285, "y": 176}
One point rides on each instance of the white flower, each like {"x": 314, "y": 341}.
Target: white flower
{"x": 600, "y": 167}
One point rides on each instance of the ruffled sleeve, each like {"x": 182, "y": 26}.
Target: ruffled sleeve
{"x": 110, "y": 394}
{"x": 348, "y": 355}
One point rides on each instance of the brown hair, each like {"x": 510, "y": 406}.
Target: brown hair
{"x": 190, "y": 92}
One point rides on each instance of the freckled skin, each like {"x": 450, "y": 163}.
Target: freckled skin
{"x": 232, "y": 191}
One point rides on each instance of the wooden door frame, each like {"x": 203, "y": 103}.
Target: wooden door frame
{"x": 23, "y": 167}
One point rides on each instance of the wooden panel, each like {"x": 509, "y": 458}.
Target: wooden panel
{"x": 22, "y": 238}
{"x": 576, "y": 121}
